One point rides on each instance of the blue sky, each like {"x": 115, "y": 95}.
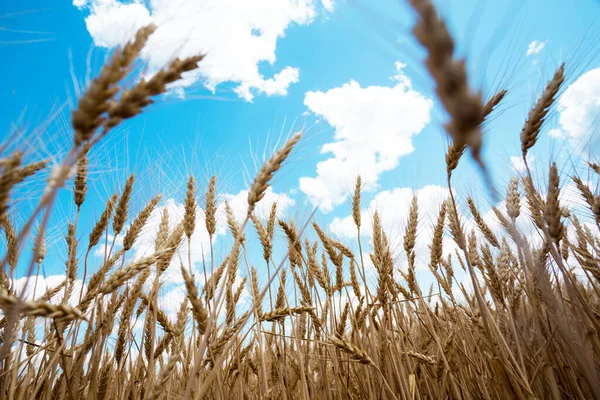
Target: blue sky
{"x": 348, "y": 71}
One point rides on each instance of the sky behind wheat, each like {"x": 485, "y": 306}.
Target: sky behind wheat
{"x": 346, "y": 72}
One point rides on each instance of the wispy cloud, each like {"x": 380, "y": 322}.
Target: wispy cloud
{"x": 535, "y": 47}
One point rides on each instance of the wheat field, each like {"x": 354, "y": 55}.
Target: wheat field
{"x": 527, "y": 326}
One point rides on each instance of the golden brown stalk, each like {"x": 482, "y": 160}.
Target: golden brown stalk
{"x": 213, "y": 282}
{"x": 165, "y": 375}
{"x": 123, "y": 205}
{"x": 537, "y": 115}
{"x": 132, "y": 101}
{"x": 8, "y": 178}
{"x": 355, "y": 352}
{"x": 39, "y": 251}
{"x": 233, "y": 224}
{"x": 29, "y": 170}
{"x": 453, "y": 155}
{"x": 105, "y": 382}
{"x": 513, "y": 199}
{"x": 535, "y": 202}
{"x": 120, "y": 276}
{"x": 435, "y": 248}
{"x": 169, "y": 249}
{"x": 128, "y": 306}
{"x": 410, "y": 236}
{"x": 456, "y": 150}
{"x": 138, "y": 223}
{"x": 161, "y": 317}
{"x": 239, "y": 290}
{"x": 552, "y": 214}
{"x": 334, "y": 255}
{"x": 97, "y": 278}
{"x": 29, "y": 333}
{"x": 264, "y": 238}
{"x": 463, "y": 105}
{"x": 255, "y": 291}
{"x": 592, "y": 200}
{"x": 280, "y": 313}
{"x": 483, "y": 227}
{"x": 163, "y": 231}
{"x": 189, "y": 218}
{"x": 71, "y": 260}
{"x": 198, "y": 310}
{"x": 211, "y": 207}
{"x": 280, "y": 300}
{"x": 354, "y": 280}
{"x": 100, "y": 226}
{"x": 295, "y": 246}
{"x": 264, "y": 176}
{"x": 421, "y": 357}
{"x": 493, "y": 102}
{"x": 356, "y": 203}
{"x": 455, "y": 226}
{"x": 51, "y": 292}
{"x": 81, "y": 176}
{"x": 59, "y": 312}
{"x": 95, "y": 101}
{"x": 12, "y": 245}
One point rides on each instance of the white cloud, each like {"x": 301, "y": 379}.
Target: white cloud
{"x": 328, "y": 4}
{"x": 535, "y": 47}
{"x": 557, "y": 133}
{"x": 235, "y": 35}
{"x": 518, "y": 163}
{"x": 374, "y": 127}
{"x": 579, "y": 108}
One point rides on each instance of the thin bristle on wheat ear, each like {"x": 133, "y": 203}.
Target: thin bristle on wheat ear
{"x": 261, "y": 182}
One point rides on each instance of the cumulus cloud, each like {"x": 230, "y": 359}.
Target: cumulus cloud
{"x": 374, "y": 127}
{"x": 518, "y": 163}
{"x": 235, "y": 35}
{"x": 328, "y": 4}
{"x": 535, "y": 47}
{"x": 579, "y": 110}
{"x": 556, "y": 133}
